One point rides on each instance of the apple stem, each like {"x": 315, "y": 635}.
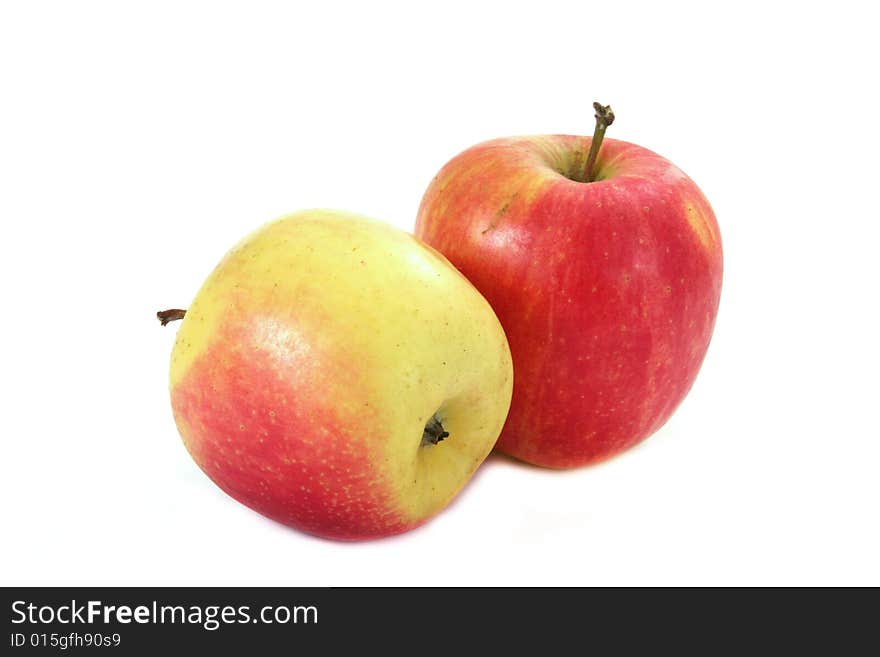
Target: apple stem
{"x": 171, "y": 315}
{"x": 434, "y": 431}
{"x": 604, "y": 118}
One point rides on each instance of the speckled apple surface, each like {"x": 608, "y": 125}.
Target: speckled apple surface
{"x": 309, "y": 363}
{"x": 607, "y": 290}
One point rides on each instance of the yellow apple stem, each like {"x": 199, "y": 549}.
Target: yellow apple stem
{"x": 604, "y": 118}
{"x": 171, "y": 315}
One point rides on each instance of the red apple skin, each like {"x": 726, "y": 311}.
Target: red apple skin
{"x": 297, "y": 456}
{"x": 607, "y": 291}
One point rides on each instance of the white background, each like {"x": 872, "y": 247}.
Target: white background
{"x": 139, "y": 141}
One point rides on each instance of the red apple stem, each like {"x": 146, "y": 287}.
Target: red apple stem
{"x": 604, "y": 118}
{"x": 171, "y": 315}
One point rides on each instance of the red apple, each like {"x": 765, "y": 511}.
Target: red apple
{"x": 606, "y": 277}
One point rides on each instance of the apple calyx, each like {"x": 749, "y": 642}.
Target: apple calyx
{"x": 604, "y": 118}
{"x": 171, "y": 315}
{"x": 434, "y": 432}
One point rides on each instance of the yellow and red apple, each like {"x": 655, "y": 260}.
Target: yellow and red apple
{"x": 339, "y": 376}
{"x": 606, "y": 278}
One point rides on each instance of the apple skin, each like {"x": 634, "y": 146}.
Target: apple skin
{"x": 607, "y": 291}
{"x": 305, "y": 370}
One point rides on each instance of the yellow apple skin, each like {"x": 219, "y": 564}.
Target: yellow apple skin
{"x": 310, "y": 361}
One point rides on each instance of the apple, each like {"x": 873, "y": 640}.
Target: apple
{"x": 339, "y": 376}
{"x": 603, "y": 262}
